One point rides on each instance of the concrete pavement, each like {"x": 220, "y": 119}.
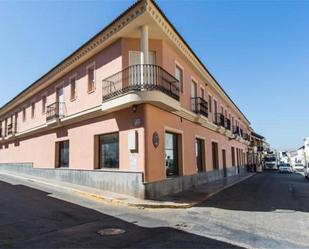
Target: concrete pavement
{"x": 184, "y": 199}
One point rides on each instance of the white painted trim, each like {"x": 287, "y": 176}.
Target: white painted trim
{"x": 214, "y": 140}
{"x": 194, "y": 79}
{"x": 174, "y": 130}
{"x": 178, "y": 64}
{"x": 200, "y": 137}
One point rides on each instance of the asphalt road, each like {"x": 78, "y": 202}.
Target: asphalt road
{"x": 30, "y": 218}
{"x": 268, "y": 210}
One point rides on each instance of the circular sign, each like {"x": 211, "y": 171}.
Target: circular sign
{"x": 155, "y": 139}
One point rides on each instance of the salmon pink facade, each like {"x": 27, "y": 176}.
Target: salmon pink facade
{"x": 133, "y": 99}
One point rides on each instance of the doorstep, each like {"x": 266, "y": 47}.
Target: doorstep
{"x": 184, "y": 199}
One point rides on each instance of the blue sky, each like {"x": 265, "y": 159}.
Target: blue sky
{"x": 257, "y": 50}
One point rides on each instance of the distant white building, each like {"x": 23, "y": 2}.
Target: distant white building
{"x": 297, "y": 156}
{"x": 306, "y": 150}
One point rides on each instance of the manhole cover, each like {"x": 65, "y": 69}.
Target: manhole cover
{"x": 111, "y": 231}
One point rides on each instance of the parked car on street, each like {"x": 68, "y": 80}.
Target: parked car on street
{"x": 285, "y": 168}
{"x": 306, "y": 172}
{"x": 298, "y": 167}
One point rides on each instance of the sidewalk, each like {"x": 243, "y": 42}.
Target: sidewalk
{"x": 184, "y": 199}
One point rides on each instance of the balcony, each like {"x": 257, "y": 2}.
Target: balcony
{"x": 228, "y": 124}
{"x": 137, "y": 78}
{"x": 236, "y": 130}
{"x": 199, "y": 106}
{"x": 11, "y": 129}
{"x": 219, "y": 119}
{"x": 246, "y": 136}
{"x": 55, "y": 111}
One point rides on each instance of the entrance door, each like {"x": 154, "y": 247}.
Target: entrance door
{"x": 199, "y": 147}
{"x": 171, "y": 154}
{"x": 60, "y": 102}
{"x": 64, "y": 150}
{"x": 224, "y": 163}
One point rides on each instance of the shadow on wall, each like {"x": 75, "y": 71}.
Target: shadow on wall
{"x": 266, "y": 192}
{"x": 33, "y": 220}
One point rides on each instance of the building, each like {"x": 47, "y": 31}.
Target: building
{"x": 297, "y": 156}
{"x": 133, "y": 110}
{"x": 258, "y": 147}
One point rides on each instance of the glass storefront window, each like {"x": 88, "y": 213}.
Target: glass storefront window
{"x": 109, "y": 150}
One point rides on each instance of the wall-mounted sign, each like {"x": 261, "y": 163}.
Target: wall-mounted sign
{"x": 155, "y": 139}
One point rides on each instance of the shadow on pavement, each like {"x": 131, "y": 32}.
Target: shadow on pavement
{"x": 264, "y": 192}
{"x": 30, "y": 218}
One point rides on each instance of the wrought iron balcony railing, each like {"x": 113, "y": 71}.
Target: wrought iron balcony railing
{"x": 199, "y": 106}
{"x": 55, "y": 111}
{"x": 11, "y": 129}
{"x": 246, "y": 136}
{"x": 138, "y": 78}
{"x": 236, "y": 130}
{"x": 227, "y": 124}
{"x": 220, "y": 119}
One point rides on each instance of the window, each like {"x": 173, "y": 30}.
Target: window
{"x": 16, "y": 122}
{"x": 91, "y": 78}
{"x": 233, "y": 156}
{"x": 43, "y": 104}
{"x": 215, "y": 156}
{"x": 32, "y": 110}
{"x": 63, "y": 150}
{"x": 109, "y": 150}
{"x": 73, "y": 88}
{"x": 210, "y": 103}
{"x": 215, "y": 111}
{"x": 179, "y": 77}
{"x": 24, "y": 114}
{"x": 200, "y": 155}
{"x": 202, "y": 93}
{"x": 193, "y": 95}
{"x": 171, "y": 154}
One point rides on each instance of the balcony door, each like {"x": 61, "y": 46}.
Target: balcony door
{"x": 60, "y": 101}
{"x": 193, "y": 96}
{"x": 141, "y": 74}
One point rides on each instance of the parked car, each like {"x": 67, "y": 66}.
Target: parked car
{"x": 306, "y": 171}
{"x": 298, "y": 167}
{"x": 285, "y": 168}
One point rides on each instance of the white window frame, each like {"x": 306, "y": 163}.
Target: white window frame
{"x": 92, "y": 64}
